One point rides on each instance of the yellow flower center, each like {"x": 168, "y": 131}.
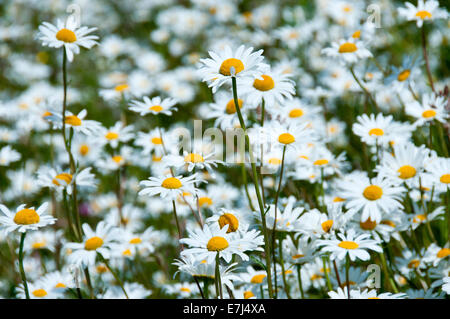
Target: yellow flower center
{"x": 66, "y": 35}
{"x": 230, "y": 220}
{"x": 73, "y": 120}
{"x": 265, "y": 84}
{"x": 404, "y": 75}
{"x": 373, "y": 192}
{"x": 60, "y": 285}
{"x": 117, "y": 158}
{"x": 347, "y": 47}
{"x": 231, "y": 106}
{"x": 444, "y": 252}
{"x": 423, "y": 14}
{"x": 298, "y": 256}
{"x": 445, "y": 179}
{"x": 388, "y": 222}
{"x": 194, "y": 158}
{"x": 368, "y": 224}
{"x": 205, "y": 201}
{"x": 38, "y": 245}
{"x": 171, "y": 183}
{"x": 414, "y": 263}
{"x": 65, "y": 177}
{"x": 348, "y": 244}
{"x": 286, "y": 138}
{"x": 39, "y": 293}
{"x": 338, "y": 199}
{"x": 225, "y": 67}
{"x": 258, "y": 279}
{"x": 274, "y": 161}
{"x": 93, "y": 243}
{"x": 127, "y": 252}
{"x": 407, "y": 171}
{"x": 376, "y": 132}
{"x": 248, "y": 294}
{"x": 84, "y": 149}
{"x": 419, "y": 218}
{"x": 157, "y": 140}
{"x": 294, "y": 113}
{"x": 429, "y": 113}
{"x": 321, "y": 162}
{"x": 326, "y": 225}
{"x": 356, "y": 34}
{"x": 121, "y": 87}
{"x": 217, "y": 243}
{"x": 112, "y": 135}
{"x": 156, "y": 108}
{"x": 185, "y": 289}
{"x": 135, "y": 241}
{"x": 26, "y": 216}
{"x": 156, "y": 158}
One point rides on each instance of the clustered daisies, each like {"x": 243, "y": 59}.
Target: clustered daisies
{"x": 277, "y": 152}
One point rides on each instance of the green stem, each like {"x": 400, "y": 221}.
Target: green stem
{"x": 114, "y": 274}
{"x": 327, "y": 277}
{"x": 283, "y": 274}
{"x": 425, "y": 56}
{"x": 347, "y": 271}
{"x": 258, "y": 194}
{"x": 364, "y": 89}
{"x": 300, "y": 285}
{"x": 22, "y": 271}
{"x": 387, "y": 272}
{"x": 217, "y": 278}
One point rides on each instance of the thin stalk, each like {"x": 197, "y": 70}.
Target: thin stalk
{"x": 300, "y": 285}
{"x": 199, "y": 287}
{"x": 387, "y": 272}
{"x": 347, "y": 276}
{"x": 425, "y": 56}
{"x": 364, "y": 89}
{"x": 217, "y": 278}
{"x": 22, "y": 271}
{"x": 327, "y": 277}
{"x": 258, "y": 194}
{"x": 283, "y": 274}
{"x": 114, "y": 274}
{"x": 178, "y": 224}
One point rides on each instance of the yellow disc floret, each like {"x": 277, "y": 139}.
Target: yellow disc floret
{"x": 230, "y": 220}
{"x": 286, "y": 138}
{"x": 406, "y": 171}
{"x": 347, "y": 47}
{"x": 225, "y": 67}
{"x": 266, "y": 84}
{"x": 73, "y": 120}
{"x": 171, "y": 183}
{"x": 348, "y": 244}
{"x": 93, "y": 243}
{"x": 217, "y": 243}
{"x": 373, "y": 192}
{"x": 66, "y": 35}
{"x": 26, "y": 216}
{"x": 194, "y": 158}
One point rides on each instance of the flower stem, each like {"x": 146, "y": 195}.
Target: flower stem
{"x": 22, "y": 271}
{"x": 425, "y": 56}
{"x": 364, "y": 89}
{"x": 257, "y": 190}
{"x": 327, "y": 277}
{"x": 299, "y": 277}
{"x": 114, "y": 274}
{"x": 347, "y": 271}
{"x": 283, "y": 273}
{"x": 176, "y": 221}
{"x": 217, "y": 278}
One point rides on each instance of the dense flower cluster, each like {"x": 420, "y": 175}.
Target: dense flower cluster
{"x": 110, "y": 190}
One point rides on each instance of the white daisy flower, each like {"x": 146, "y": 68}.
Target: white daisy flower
{"x": 49, "y": 177}
{"x": 348, "y": 51}
{"x": 77, "y": 122}
{"x": 25, "y": 219}
{"x": 8, "y": 155}
{"x": 374, "y": 130}
{"x": 240, "y": 63}
{"x": 67, "y": 34}
{"x": 209, "y": 241}
{"x": 354, "y": 245}
{"x": 439, "y": 169}
{"x": 425, "y": 10}
{"x": 372, "y": 197}
{"x": 169, "y": 186}
{"x": 98, "y": 241}
{"x": 432, "y": 108}
{"x": 116, "y": 134}
{"x": 154, "y": 106}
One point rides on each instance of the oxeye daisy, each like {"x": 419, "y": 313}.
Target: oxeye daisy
{"x": 206, "y": 243}
{"x": 425, "y": 10}
{"x": 119, "y": 133}
{"x": 405, "y": 164}
{"x": 371, "y": 197}
{"x": 435, "y": 254}
{"x": 59, "y": 179}
{"x": 8, "y": 155}
{"x": 439, "y": 168}
{"x": 235, "y": 220}
{"x": 198, "y": 160}
{"x": 25, "y": 219}
{"x": 405, "y": 75}
{"x": 98, "y": 241}
{"x": 67, "y": 34}
{"x": 296, "y": 111}
{"x": 271, "y": 87}
{"x": 154, "y": 106}
{"x": 374, "y": 130}
{"x": 76, "y": 122}
{"x": 351, "y": 244}
{"x": 169, "y": 186}
{"x": 348, "y": 51}
{"x": 37, "y": 290}
{"x": 242, "y": 62}
{"x": 432, "y": 108}
{"x": 287, "y": 219}
{"x": 224, "y": 111}
{"x": 289, "y": 136}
